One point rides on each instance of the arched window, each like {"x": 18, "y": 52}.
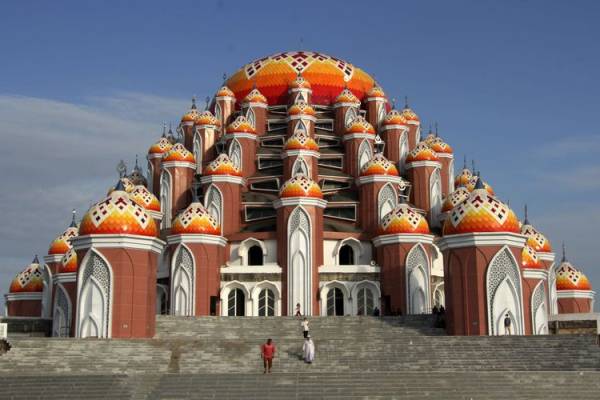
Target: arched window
{"x": 46, "y": 292}
{"x": 539, "y": 311}
{"x": 213, "y": 202}
{"x": 451, "y": 176}
{"x": 350, "y": 116}
{"x": 219, "y": 114}
{"x": 236, "y": 303}
{"x": 150, "y": 177}
{"x": 300, "y": 167}
{"x": 299, "y": 275}
{"x": 94, "y": 298}
{"x": 503, "y": 285}
{"x": 387, "y": 200}
{"x": 255, "y": 255}
{"x": 183, "y": 283}
{"x": 435, "y": 195}
{"x": 417, "y": 280}
{"x": 235, "y": 153}
{"x": 438, "y": 296}
{"x": 347, "y": 255}
{"x": 266, "y": 303}
{"x": 335, "y": 301}
{"x": 61, "y": 323}
{"x": 404, "y": 150}
{"x": 251, "y": 117}
{"x": 300, "y": 128}
{"x": 365, "y": 302}
{"x": 300, "y": 97}
{"x": 364, "y": 154}
{"x": 380, "y": 113}
{"x": 165, "y": 199}
{"x": 552, "y": 290}
{"x": 198, "y": 152}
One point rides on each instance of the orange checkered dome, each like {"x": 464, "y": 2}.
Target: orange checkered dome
{"x": 195, "y": 219}
{"x": 300, "y": 140}
{"x": 379, "y": 165}
{"x": 481, "y": 212}
{"x": 439, "y": 146}
{"x": 360, "y": 125}
{"x": 240, "y": 125}
{"x": 376, "y": 92}
{"x": 192, "y": 113}
{"x": 30, "y": 280}
{"x": 224, "y": 91}
{"x": 145, "y": 198}
{"x": 207, "y": 118}
{"x": 161, "y": 146}
{"x": 301, "y": 108}
{"x": 62, "y": 243}
{"x": 455, "y": 198}
{"x": 403, "y": 219}
{"x": 394, "y": 117}
{"x": 409, "y": 114}
{"x": 536, "y": 239}
{"x": 178, "y": 153}
{"x": 463, "y": 178}
{"x": 422, "y": 152}
{"x": 255, "y": 96}
{"x": 346, "y": 96}
{"x": 570, "y": 278}
{"x": 299, "y": 83}
{"x": 118, "y": 214}
{"x": 530, "y": 259}
{"x": 222, "y": 165}
{"x": 300, "y": 186}
{"x": 275, "y": 74}
{"x": 68, "y": 262}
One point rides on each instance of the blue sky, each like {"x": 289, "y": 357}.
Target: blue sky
{"x": 513, "y": 84}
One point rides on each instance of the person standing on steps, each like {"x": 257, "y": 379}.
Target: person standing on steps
{"x": 305, "y": 328}
{"x": 298, "y": 313}
{"x": 507, "y": 323}
{"x": 376, "y": 312}
{"x": 267, "y": 352}
{"x": 308, "y": 350}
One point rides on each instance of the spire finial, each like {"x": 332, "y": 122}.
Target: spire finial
{"x": 121, "y": 169}
{"x": 136, "y": 162}
{"x": 473, "y": 166}
{"x": 393, "y": 103}
{"x": 526, "y": 221}
{"x": 224, "y": 78}
{"x": 73, "y": 221}
{"x": 406, "y": 102}
{"x": 436, "y": 129}
{"x": 465, "y": 162}
{"x": 36, "y": 260}
{"x": 430, "y": 129}
{"x": 564, "y": 252}
{"x": 193, "y": 102}
{"x": 479, "y": 183}
{"x": 164, "y": 134}
{"x": 206, "y": 100}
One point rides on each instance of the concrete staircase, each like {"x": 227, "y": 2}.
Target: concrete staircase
{"x": 213, "y": 357}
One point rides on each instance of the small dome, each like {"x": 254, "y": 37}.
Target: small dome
{"x": 360, "y": 125}
{"x": 569, "y": 278}
{"x": 300, "y": 140}
{"x": 128, "y": 186}
{"x": 195, "y": 219}
{"x": 376, "y": 91}
{"x": 255, "y": 96}
{"x": 463, "y": 178}
{"x": 299, "y": 83}
{"x": 225, "y": 92}
{"x": 530, "y": 259}
{"x": 346, "y": 96}
{"x": 68, "y": 262}
{"x": 481, "y": 212}
{"x": 300, "y": 186}
{"x": 471, "y": 185}
{"x": 403, "y": 219}
{"x": 222, "y": 165}
{"x": 379, "y": 165}
{"x": 30, "y": 280}
{"x": 207, "y": 118}
{"x": 145, "y": 198}
{"x": 422, "y": 152}
{"x": 409, "y": 114}
{"x": 536, "y": 239}
{"x": 178, "y": 153}
{"x": 455, "y": 198}
{"x": 301, "y": 108}
{"x": 192, "y": 114}
{"x": 439, "y": 146}
{"x": 117, "y": 214}
{"x": 394, "y": 117}
{"x": 161, "y": 146}
{"x": 241, "y": 124}
{"x": 62, "y": 243}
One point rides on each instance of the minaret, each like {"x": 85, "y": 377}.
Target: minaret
{"x": 254, "y": 107}
{"x": 394, "y": 132}
{"x": 300, "y": 156}
{"x": 206, "y": 135}
{"x": 414, "y": 125}
{"x": 301, "y": 118}
{"x": 300, "y": 243}
{"x": 423, "y": 166}
{"x": 155, "y": 155}
{"x": 299, "y": 90}
{"x": 178, "y": 168}
{"x": 187, "y": 125}
{"x": 242, "y": 144}
{"x": 358, "y": 145}
{"x": 224, "y": 105}
{"x": 346, "y": 108}
{"x": 375, "y": 105}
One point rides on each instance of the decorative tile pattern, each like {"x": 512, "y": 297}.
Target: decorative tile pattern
{"x": 422, "y": 152}
{"x": 360, "y": 125}
{"x": 300, "y": 83}
{"x": 473, "y": 180}
{"x": 222, "y": 165}
{"x": 569, "y": 278}
{"x": 301, "y": 141}
{"x": 255, "y": 96}
{"x": 394, "y": 117}
{"x": 178, "y": 153}
{"x": 410, "y": 115}
{"x": 162, "y": 146}
{"x": 224, "y": 92}
{"x": 403, "y": 219}
{"x": 463, "y": 178}
{"x": 62, "y": 243}
{"x": 195, "y": 219}
{"x": 300, "y": 186}
{"x": 536, "y": 239}
{"x": 375, "y": 91}
{"x": 145, "y": 198}
{"x": 240, "y": 125}
{"x": 455, "y": 198}
{"x": 346, "y": 96}
{"x": 31, "y": 279}
{"x": 530, "y": 259}
{"x": 379, "y": 165}
{"x": 207, "y": 118}
{"x": 301, "y": 108}
{"x": 68, "y": 262}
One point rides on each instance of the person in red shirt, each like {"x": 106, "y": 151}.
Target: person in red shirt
{"x": 268, "y": 353}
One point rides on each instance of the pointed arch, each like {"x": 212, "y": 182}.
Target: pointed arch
{"x": 61, "y": 321}
{"x": 387, "y": 200}
{"x": 299, "y": 261}
{"x": 94, "y": 296}
{"x": 364, "y": 153}
{"x": 350, "y": 116}
{"x": 553, "y": 300}
{"x": 417, "y": 280}
{"x": 435, "y": 195}
{"x": 300, "y": 97}
{"x": 251, "y": 117}
{"x": 301, "y": 128}
{"x": 235, "y": 153}
{"x": 504, "y": 293}
{"x": 165, "y": 198}
{"x": 451, "y": 176}
{"x": 183, "y": 271}
{"x": 380, "y": 113}
{"x": 198, "y": 152}
{"x": 150, "y": 177}
{"x": 46, "y": 292}
{"x": 403, "y": 152}
{"x": 219, "y": 114}
{"x": 539, "y": 310}
{"x": 213, "y": 202}
{"x": 300, "y": 167}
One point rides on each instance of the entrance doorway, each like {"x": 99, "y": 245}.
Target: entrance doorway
{"x": 335, "y": 302}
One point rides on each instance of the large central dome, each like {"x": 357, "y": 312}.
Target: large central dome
{"x": 327, "y": 76}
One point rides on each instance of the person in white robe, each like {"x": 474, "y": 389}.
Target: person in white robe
{"x": 308, "y": 350}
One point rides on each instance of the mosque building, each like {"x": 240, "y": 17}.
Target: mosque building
{"x": 299, "y": 184}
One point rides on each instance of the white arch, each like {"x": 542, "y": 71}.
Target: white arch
{"x": 350, "y": 116}
{"x": 356, "y": 245}
{"x": 324, "y": 291}
{"x": 94, "y": 296}
{"x": 439, "y": 296}
{"x": 183, "y": 282}
{"x": 504, "y": 292}
{"x": 451, "y": 176}
{"x": 245, "y": 246}
{"x": 299, "y": 278}
{"x": 369, "y": 285}
{"x": 256, "y": 293}
{"x": 47, "y": 292}
{"x": 539, "y": 311}
{"x": 364, "y": 154}
{"x": 61, "y": 321}
{"x": 403, "y": 152}
{"x": 552, "y": 289}
{"x": 387, "y": 200}
{"x": 435, "y": 195}
{"x": 235, "y": 153}
{"x": 300, "y": 127}
{"x": 165, "y": 198}
{"x": 417, "y": 280}
{"x": 213, "y": 202}
{"x": 225, "y": 297}
{"x": 380, "y": 113}
{"x": 251, "y": 117}
{"x": 219, "y": 114}
{"x": 198, "y": 151}
{"x": 300, "y": 166}
{"x": 150, "y": 177}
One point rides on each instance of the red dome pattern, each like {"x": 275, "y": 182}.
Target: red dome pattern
{"x": 207, "y": 118}
{"x": 222, "y": 165}
{"x": 530, "y": 259}
{"x": 471, "y": 185}
{"x": 422, "y": 152}
{"x": 439, "y": 146}
{"x": 464, "y": 178}
{"x": 403, "y": 219}
{"x": 375, "y": 91}
{"x": 62, "y": 243}
{"x": 481, "y": 212}
{"x": 410, "y": 115}
{"x": 225, "y": 92}
{"x": 68, "y": 263}
{"x": 536, "y": 240}
{"x": 178, "y": 153}
{"x": 255, "y": 96}
{"x": 240, "y": 125}
{"x": 379, "y": 165}
{"x": 191, "y": 115}
{"x": 145, "y": 198}
{"x": 346, "y": 96}
{"x": 394, "y": 117}
{"x": 273, "y": 75}
{"x": 455, "y": 198}
{"x": 301, "y": 108}
{"x": 30, "y": 280}
{"x": 301, "y": 141}
{"x": 162, "y": 146}
{"x": 195, "y": 219}
{"x": 117, "y": 214}
{"x": 569, "y": 278}
{"x": 300, "y": 186}
{"x": 360, "y": 125}
{"x": 299, "y": 83}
